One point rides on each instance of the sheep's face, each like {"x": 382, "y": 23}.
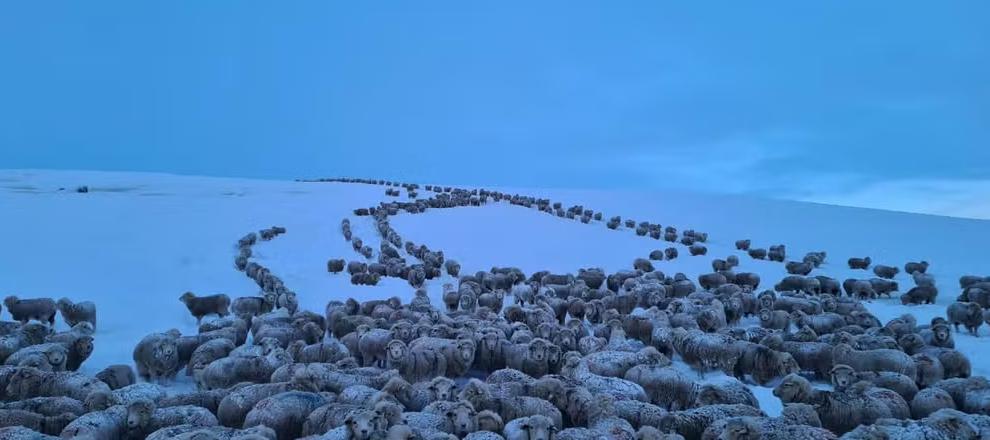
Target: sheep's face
{"x": 911, "y": 342}
{"x": 187, "y": 297}
{"x": 474, "y": 391}
{"x": 444, "y": 389}
{"x": 766, "y": 300}
{"x": 766, "y": 316}
{"x": 489, "y": 421}
{"x": 396, "y": 351}
{"x": 166, "y": 352}
{"x": 465, "y": 349}
{"x": 842, "y": 377}
{"x": 710, "y": 395}
{"x": 941, "y": 334}
{"x": 462, "y": 420}
{"x": 467, "y": 301}
{"x": 490, "y": 340}
{"x": 56, "y": 356}
{"x": 538, "y": 428}
{"x": 738, "y": 429}
{"x": 361, "y": 424}
{"x": 565, "y": 339}
{"x": 791, "y": 389}
{"x": 84, "y": 346}
{"x": 402, "y": 331}
{"x": 537, "y": 350}
{"x": 805, "y": 334}
{"x": 139, "y": 415}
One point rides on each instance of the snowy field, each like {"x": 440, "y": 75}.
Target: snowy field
{"x": 137, "y": 241}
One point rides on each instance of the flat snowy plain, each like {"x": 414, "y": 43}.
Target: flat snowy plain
{"x": 137, "y": 241}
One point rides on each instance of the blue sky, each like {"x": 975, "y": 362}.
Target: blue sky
{"x": 882, "y": 103}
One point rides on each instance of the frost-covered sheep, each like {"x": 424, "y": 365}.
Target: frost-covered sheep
{"x": 458, "y": 418}
{"x": 727, "y": 391}
{"x": 48, "y": 406}
{"x": 743, "y": 245}
{"x": 30, "y": 382}
{"x": 875, "y": 360}
{"x": 841, "y": 412}
{"x": 692, "y": 423}
{"x": 53, "y": 356}
{"x": 697, "y": 249}
{"x": 508, "y": 407}
{"x": 746, "y": 428}
{"x": 843, "y": 376}
{"x": 247, "y": 307}
{"x": 666, "y": 387}
{"x": 860, "y": 263}
{"x": 415, "y": 364}
{"x": 117, "y": 376}
{"x": 775, "y": 319}
{"x": 372, "y": 344}
{"x": 200, "y": 306}
{"x": 923, "y": 294}
{"x": 144, "y": 417}
{"x": 576, "y": 368}
{"x": 157, "y": 356}
{"x": 929, "y": 400}
{"x": 617, "y": 363}
{"x": 190, "y": 432}
{"x": 228, "y": 371}
{"x": 24, "y": 310}
{"x": 969, "y": 314}
{"x": 530, "y": 428}
{"x": 50, "y": 425}
{"x": 284, "y": 412}
{"x": 208, "y": 352}
{"x": 452, "y": 267}
{"x": 760, "y": 362}
{"x": 74, "y": 313}
{"x": 459, "y": 353}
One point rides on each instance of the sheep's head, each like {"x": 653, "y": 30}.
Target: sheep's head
{"x": 139, "y": 414}
{"x": 361, "y": 424}
{"x": 941, "y": 333}
{"x": 56, "y": 355}
{"x": 537, "y": 350}
{"x": 465, "y": 350}
{"x": 84, "y": 328}
{"x": 462, "y": 418}
{"x": 97, "y": 401}
{"x": 187, "y": 297}
{"x": 538, "y": 427}
{"x": 490, "y": 421}
{"x": 25, "y": 381}
{"x": 792, "y": 388}
{"x": 842, "y": 376}
{"x": 166, "y": 352}
{"x": 388, "y": 413}
{"x": 474, "y": 391}
{"x": 467, "y": 301}
{"x": 396, "y": 350}
{"x": 83, "y": 347}
{"x": 766, "y": 315}
{"x": 710, "y": 394}
{"x": 911, "y": 343}
{"x": 10, "y": 301}
{"x": 741, "y": 428}
{"x": 805, "y": 334}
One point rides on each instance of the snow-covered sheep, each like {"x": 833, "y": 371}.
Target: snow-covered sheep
{"x": 458, "y": 418}
{"x": 415, "y": 364}
{"x": 883, "y": 271}
{"x": 508, "y": 407}
{"x": 117, "y": 376}
{"x": 969, "y": 314}
{"x": 743, "y": 245}
{"x": 247, "y": 307}
{"x": 53, "y": 355}
{"x": 200, "y": 306}
{"x": 157, "y": 356}
{"x": 666, "y": 387}
{"x": 24, "y": 310}
{"x": 692, "y": 423}
{"x": 30, "y": 382}
{"x": 49, "y": 425}
{"x": 875, "y": 360}
{"x": 228, "y": 371}
{"x": 841, "y": 412}
{"x": 929, "y": 400}
{"x": 284, "y": 412}
{"x": 74, "y": 313}
{"x": 728, "y": 391}
{"x": 208, "y": 352}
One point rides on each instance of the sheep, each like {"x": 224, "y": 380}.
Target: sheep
{"x": 206, "y": 305}
{"x": 54, "y": 355}
{"x": 157, "y": 356}
{"x": 459, "y": 354}
{"x": 969, "y": 314}
{"x": 875, "y": 360}
{"x": 821, "y": 323}
{"x": 775, "y": 319}
{"x": 535, "y": 427}
{"x": 190, "y": 432}
{"x": 372, "y": 345}
{"x": 760, "y": 362}
{"x": 228, "y": 371}
{"x": 576, "y": 368}
{"x": 117, "y": 376}
{"x": 617, "y": 363}
{"x": 415, "y": 364}
{"x": 943, "y": 424}
{"x": 74, "y": 313}
{"x": 666, "y": 387}
{"x": 692, "y": 423}
{"x": 335, "y": 265}
{"x": 843, "y": 376}
{"x": 24, "y": 310}
{"x": 30, "y": 382}
{"x": 777, "y": 253}
{"x": 798, "y": 268}
{"x": 743, "y": 245}
{"x": 51, "y": 425}
{"x": 109, "y": 424}
{"x": 743, "y": 428}
{"x": 284, "y": 412}
{"x": 888, "y": 272}
{"x": 697, "y": 249}
{"x": 923, "y": 294}
{"x": 841, "y": 412}
{"x": 143, "y": 417}
{"x": 459, "y": 418}
{"x": 205, "y": 399}
{"x": 670, "y": 253}
{"x": 916, "y": 266}
{"x": 508, "y": 407}
{"x": 930, "y": 400}
{"x": 48, "y": 406}
{"x": 727, "y": 391}
{"x": 860, "y": 263}
{"x": 208, "y": 352}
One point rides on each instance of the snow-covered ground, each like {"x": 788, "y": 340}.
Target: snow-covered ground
{"x": 137, "y": 241}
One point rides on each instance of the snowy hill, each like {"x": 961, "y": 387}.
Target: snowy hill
{"x": 136, "y": 242}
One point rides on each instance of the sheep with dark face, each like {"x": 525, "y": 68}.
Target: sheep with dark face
{"x": 24, "y": 310}
{"x": 74, "y": 313}
{"x": 969, "y": 314}
{"x": 697, "y": 249}
{"x": 206, "y": 305}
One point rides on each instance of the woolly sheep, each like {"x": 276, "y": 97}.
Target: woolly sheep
{"x": 916, "y": 266}
{"x": 50, "y": 425}
{"x": 29, "y": 382}
{"x": 459, "y": 418}
{"x": 53, "y": 354}
{"x": 117, "y": 376}
{"x": 692, "y": 423}
{"x": 24, "y": 310}
{"x": 208, "y": 352}
{"x": 743, "y": 245}
{"x": 969, "y": 314}
{"x": 888, "y": 272}
{"x": 875, "y": 360}
{"x": 157, "y": 356}
{"x": 666, "y": 387}
{"x": 284, "y": 412}
{"x": 930, "y": 400}
{"x": 74, "y": 313}
{"x": 200, "y": 306}
{"x": 228, "y": 371}
{"x": 415, "y": 364}
{"x": 726, "y": 391}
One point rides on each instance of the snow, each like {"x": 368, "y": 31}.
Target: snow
{"x": 137, "y": 241}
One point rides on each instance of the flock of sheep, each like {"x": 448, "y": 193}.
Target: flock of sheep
{"x": 512, "y": 356}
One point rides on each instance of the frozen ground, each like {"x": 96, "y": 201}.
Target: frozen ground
{"x": 137, "y": 241}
